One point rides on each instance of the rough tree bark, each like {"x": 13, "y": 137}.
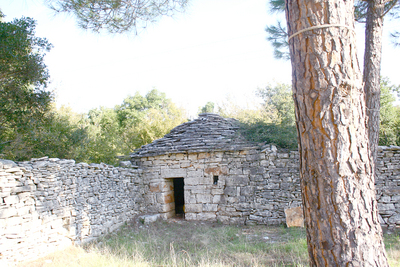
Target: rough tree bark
{"x": 372, "y": 70}
{"x": 336, "y": 165}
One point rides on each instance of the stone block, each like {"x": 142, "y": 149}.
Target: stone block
{"x": 191, "y": 181}
{"x": 394, "y": 219}
{"x": 207, "y": 216}
{"x": 173, "y": 173}
{"x": 185, "y": 164}
{"x": 203, "y": 198}
{"x": 168, "y": 197}
{"x": 190, "y": 198}
{"x": 190, "y": 216}
{"x": 195, "y": 173}
{"x": 203, "y": 155}
{"x": 180, "y": 156}
{"x": 272, "y": 186}
{"x": 385, "y": 199}
{"x": 168, "y": 214}
{"x": 216, "y": 170}
{"x": 8, "y": 212}
{"x": 146, "y": 219}
{"x": 210, "y": 207}
{"x": 237, "y": 180}
{"x": 11, "y": 200}
{"x": 255, "y": 157}
{"x": 230, "y": 191}
{"x": 155, "y": 188}
{"x": 385, "y": 207}
{"x": 235, "y": 171}
{"x": 193, "y": 208}
{"x": 294, "y": 217}
{"x": 217, "y": 199}
{"x": 199, "y": 189}
{"x": 167, "y": 185}
{"x": 167, "y": 207}
{"x": 217, "y": 191}
{"x": 192, "y": 157}
{"x": 247, "y": 190}
{"x": 24, "y": 210}
{"x": 256, "y": 218}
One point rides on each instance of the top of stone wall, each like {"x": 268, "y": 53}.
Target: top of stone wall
{"x": 209, "y": 132}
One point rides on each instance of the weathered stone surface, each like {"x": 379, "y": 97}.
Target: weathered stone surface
{"x": 59, "y": 200}
{"x": 48, "y": 203}
{"x": 173, "y": 173}
{"x": 294, "y": 217}
{"x": 146, "y": 219}
{"x": 208, "y": 132}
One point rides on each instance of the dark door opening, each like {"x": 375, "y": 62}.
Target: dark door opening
{"x": 179, "y": 197}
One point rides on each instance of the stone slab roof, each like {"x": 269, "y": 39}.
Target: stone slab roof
{"x": 209, "y": 132}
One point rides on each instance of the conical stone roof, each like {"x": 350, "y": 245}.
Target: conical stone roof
{"x": 210, "y": 132}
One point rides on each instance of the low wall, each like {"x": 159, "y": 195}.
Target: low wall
{"x": 388, "y": 186}
{"x": 47, "y": 204}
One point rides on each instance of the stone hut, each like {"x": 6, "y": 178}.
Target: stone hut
{"x": 204, "y": 170}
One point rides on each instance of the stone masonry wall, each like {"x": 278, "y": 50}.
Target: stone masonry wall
{"x": 47, "y": 204}
{"x": 254, "y": 185}
{"x": 388, "y": 186}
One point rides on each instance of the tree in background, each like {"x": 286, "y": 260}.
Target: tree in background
{"x": 24, "y": 101}
{"x": 144, "y": 119}
{"x": 208, "y": 108}
{"x": 389, "y": 130}
{"x": 278, "y": 101}
{"x": 106, "y": 134}
{"x": 104, "y": 142}
{"x": 117, "y": 16}
{"x": 250, "y": 112}
{"x": 276, "y": 125}
{"x": 270, "y": 120}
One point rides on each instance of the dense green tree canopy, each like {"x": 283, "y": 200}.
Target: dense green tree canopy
{"x": 23, "y": 80}
{"x": 389, "y": 130}
{"x": 147, "y": 118}
{"x": 208, "y": 108}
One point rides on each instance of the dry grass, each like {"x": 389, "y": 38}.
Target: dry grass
{"x": 181, "y": 243}
{"x": 392, "y": 245}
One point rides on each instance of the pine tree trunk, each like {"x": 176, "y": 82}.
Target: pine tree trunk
{"x": 336, "y": 166}
{"x": 372, "y": 70}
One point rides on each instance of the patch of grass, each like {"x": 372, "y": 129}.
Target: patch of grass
{"x": 392, "y": 245}
{"x": 183, "y": 243}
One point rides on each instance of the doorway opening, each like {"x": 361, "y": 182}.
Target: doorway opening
{"x": 179, "y": 197}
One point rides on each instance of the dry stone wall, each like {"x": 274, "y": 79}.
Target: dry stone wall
{"x": 47, "y": 204}
{"x": 388, "y": 186}
{"x": 254, "y": 186}
{"x": 246, "y": 187}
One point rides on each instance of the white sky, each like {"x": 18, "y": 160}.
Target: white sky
{"x": 216, "y": 48}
